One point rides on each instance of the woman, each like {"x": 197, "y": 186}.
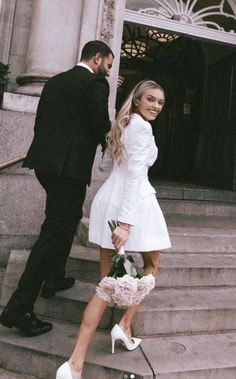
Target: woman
{"x": 128, "y": 197}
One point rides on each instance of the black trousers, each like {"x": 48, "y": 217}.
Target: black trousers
{"x": 47, "y": 260}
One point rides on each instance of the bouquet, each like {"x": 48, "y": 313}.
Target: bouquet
{"x": 126, "y": 283}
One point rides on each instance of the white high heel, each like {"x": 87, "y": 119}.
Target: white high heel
{"x": 64, "y": 372}
{"x": 118, "y": 334}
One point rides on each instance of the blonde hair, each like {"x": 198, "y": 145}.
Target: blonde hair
{"x": 113, "y": 138}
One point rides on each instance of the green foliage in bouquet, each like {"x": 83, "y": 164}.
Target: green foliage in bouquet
{"x": 123, "y": 264}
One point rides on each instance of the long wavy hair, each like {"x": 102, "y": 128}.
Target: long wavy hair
{"x": 113, "y": 138}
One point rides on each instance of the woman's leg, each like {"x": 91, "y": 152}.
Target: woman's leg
{"x": 105, "y": 261}
{"x": 151, "y": 261}
{"x": 91, "y": 318}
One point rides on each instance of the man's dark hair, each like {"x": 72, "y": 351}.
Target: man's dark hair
{"x": 91, "y": 48}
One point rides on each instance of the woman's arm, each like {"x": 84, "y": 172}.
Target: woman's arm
{"x": 137, "y": 147}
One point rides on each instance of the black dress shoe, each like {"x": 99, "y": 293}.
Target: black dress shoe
{"x": 27, "y": 323}
{"x": 50, "y": 287}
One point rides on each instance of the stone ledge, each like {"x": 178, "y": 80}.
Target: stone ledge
{"x": 46, "y": 354}
{"x": 172, "y": 357}
{"x": 165, "y": 310}
{"x": 5, "y": 374}
{"x": 20, "y": 103}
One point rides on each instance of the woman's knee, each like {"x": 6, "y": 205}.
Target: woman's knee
{"x": 93, "y": 311}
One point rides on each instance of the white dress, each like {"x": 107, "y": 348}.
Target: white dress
{"x": 128, "y": 196}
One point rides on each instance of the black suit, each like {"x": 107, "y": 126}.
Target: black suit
{"x": 72, "y": 119}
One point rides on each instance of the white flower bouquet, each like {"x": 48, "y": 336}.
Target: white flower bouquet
{"x": 126, "y": 283}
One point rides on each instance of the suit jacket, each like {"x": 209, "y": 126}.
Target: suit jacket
{"x": 71, "y": 120}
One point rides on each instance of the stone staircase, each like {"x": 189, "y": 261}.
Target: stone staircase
{"x": 5, "y": 374}
{"x": 187, "y": 324}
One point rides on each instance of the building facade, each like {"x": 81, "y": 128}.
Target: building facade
{"x": 188, "y": 46}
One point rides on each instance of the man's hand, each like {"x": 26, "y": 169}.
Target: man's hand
{"x": 120, "y": 81}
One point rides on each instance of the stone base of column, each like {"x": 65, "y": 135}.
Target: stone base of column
{"x": 20, "y": 103}
{"x": 32, "y": 84}
{"x": 31, "y": 89}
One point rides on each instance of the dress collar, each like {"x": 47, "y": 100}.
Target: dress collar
{"x": 136, "y": 115}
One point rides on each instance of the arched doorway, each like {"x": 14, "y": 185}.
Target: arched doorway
{"x": 177, "y": 128}
{"x": 195, "y": 132}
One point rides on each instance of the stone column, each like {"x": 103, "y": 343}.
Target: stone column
{"x": 103, "y": 19}
{"x": 53, "y": 43}
{"x": 7, "y": 12}
{"x": 104, "y": 22}
{"x": 90, "y": 24}
{"x": 111, "y": 33}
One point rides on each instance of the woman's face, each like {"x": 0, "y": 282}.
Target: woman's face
{"x": 150, "y": 104}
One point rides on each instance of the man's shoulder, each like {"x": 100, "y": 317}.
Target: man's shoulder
{"x": 99, "y": 81}
{"x": 76, "y": 71}
{"x": 76, "y": 74}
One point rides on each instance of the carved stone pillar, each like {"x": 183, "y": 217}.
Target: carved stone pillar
{"x": 108, "y": 18}
{"x": 90, "y": 24}
{"x": 53, "y": 44}
{"x": 111, "y": 33}
{"x": 103, "y": 19}
{"x": 7, "y": 12}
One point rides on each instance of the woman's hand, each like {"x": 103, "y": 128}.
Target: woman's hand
{"x": 120, "y": 235}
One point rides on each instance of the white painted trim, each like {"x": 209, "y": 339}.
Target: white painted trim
{"x": 179, "y": 27}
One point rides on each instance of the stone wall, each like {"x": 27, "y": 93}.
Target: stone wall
{"x": 21, "y": 197}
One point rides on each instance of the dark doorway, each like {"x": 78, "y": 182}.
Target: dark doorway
{"x": 217, "y": 148}
{"x": 188, "y": 70}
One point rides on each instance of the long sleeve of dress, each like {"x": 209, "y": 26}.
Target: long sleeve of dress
{"x": 136, "y": 142}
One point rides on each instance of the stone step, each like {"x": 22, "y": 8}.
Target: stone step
{"x": 10, "y": 242}
{"x": 6, "y": 374}
{"x": 46, "y": 354}
{"x": 173, "y": 357}
{"x": 177, "y": 269}
{"x": 185, "y": 310}
{"x": 69, "y": 305}
{"x": 66, "y": 305}
{"x": 19, "y": 227}
{"x": 197, "y": 208}
{"x": 192, "y": 357}
{"x": 164, "y": 311}
{"x": 203, "y": 240}
{"x": 187, "y": 192}
{"x": 189, "y": 234}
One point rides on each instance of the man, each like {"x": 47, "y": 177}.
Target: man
{"x": 72, "y": 119}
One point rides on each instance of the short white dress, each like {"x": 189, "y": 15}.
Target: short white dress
{"x": 128, "y": 196}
